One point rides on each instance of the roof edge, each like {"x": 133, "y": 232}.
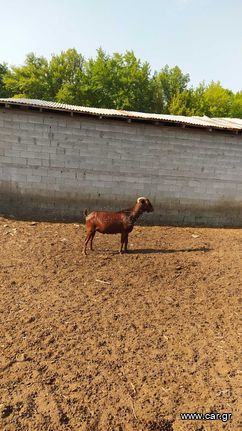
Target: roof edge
{"x": 226, "y": 124}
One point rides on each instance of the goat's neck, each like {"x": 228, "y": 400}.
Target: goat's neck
{"x": 135, "y": 212}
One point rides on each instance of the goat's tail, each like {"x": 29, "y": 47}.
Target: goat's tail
{"x": 85, "y": 212}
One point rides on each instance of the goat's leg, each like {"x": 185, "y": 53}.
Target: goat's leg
{"x": 88, "y": 237}
{"x": 126, "y": 243}
{"x": 93, "y": 234}
{"x": 123, "y": 235}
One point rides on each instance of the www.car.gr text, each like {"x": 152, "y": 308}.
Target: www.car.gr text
{"x": 213, "y": 416}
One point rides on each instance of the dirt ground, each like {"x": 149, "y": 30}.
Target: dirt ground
{"x": 118, "y": 342}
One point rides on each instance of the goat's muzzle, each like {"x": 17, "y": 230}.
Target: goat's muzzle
{"x": 150, "y": 209}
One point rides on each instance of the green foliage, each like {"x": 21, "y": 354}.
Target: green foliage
{"x": 29, "y": 80}
{"x": 118, "y": 81}
{"x": 66, "y": 76}
{"x": 217, "y": 100}
{"x": 182, "y": 103}
{"x": 3, "y": 91}
{"x": 189, "y": 102}
{"x": 236, "y": 108}
{"x": 168, "y": 84}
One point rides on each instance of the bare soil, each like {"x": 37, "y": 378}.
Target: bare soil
{"x": 118, "y": 342}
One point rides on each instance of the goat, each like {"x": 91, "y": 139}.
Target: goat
{"x": 115, "y": 222}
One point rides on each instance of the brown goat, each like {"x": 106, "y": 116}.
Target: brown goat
{"x": 115, "y": 222}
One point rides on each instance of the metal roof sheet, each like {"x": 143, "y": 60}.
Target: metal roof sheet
{"x": 232, "y": 124}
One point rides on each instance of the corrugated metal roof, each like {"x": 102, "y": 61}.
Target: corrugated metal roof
{"x": 232, "y": 124}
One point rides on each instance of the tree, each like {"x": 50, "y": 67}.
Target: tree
{"x": 66, "y": 77}
{"x": 182, "y": 103}
{"x": 29, "y": 80}
{"x": 100, "y": 82}
{"x": 3, "y": 91}
{"x": 168, "y": 83}
{"x": 236, "y": 108}
{"x": 135, "y": 87}
{"x": 59, "y": 80}
{"x": 189, "y": 102}
{"x": 118, "y": 81}
{"x": 217, "y": 100}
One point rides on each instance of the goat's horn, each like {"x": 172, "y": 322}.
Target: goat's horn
{"x": 139, "y": 199}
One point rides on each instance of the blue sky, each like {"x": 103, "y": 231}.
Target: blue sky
{"x": 202, "y": 37}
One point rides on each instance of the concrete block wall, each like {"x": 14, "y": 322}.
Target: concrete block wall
{"x": 53, "y": 165}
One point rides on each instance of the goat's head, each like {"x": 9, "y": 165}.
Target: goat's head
{"x": 145, "y": 204}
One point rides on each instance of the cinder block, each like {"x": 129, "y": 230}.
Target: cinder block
{"x": 48, "y": 180}
{"x": 34, "y": 178}
{"x": 16, "y": 160}
{"x": 72, "y": 164}
{"x": 74, "y": 124}
{"x": 60, "y": 151}
{"x": 57, "y": 163}
{"x": 34, "y": 162}
{"x": 68, "y": 173}
{"x": 50, "y": 120}
{"x": 20, "y": 178}
{"x": 45, "y": 162}
{"x": 35, "y": 119}
{"x": 55, "y": 172}
{"x": 73, "y": 151}
{"x": 62, "y": 121}
{"x": 26, "y": 126}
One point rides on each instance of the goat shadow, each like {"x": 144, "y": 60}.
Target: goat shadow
{"x": 167, "y": 251}
{"x": 161, "y": 250}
